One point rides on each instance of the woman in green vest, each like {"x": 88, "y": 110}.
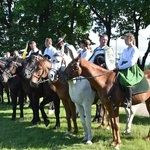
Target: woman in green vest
{"x": 129, "y": 72}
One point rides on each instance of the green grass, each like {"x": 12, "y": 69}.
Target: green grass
{"x": 21, "y": 135}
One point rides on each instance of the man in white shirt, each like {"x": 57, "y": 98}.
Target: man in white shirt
{"x": 103, "y": 56}
{"x": 50, "y": 50}
{"x": 34, "y": 49}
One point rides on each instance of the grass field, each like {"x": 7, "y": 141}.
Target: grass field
{"x": 21, "y": 135}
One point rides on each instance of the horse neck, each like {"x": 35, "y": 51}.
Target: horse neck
{"x": 90, "y": 71}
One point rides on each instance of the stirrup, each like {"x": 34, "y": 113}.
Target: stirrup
{"x": 127, "y": 104}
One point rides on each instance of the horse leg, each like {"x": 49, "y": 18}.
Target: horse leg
{"x": 1, "y": 93}
{"x": 130, "y": 115}
{"x": 21, "y": 103}
{"x": 45, "y": 101}
{"x": 114, "y": 118}
{"x": 51, "y": 108}
{"x": 74, "y": 116}
{"x": 8, "y": 97}
{"x": 14, "y": 104}
{"x": 104, "y": 117}
{"x": 82, "y": 118}
{"x": 87, "y": 109}
{"x": 35, "y": 106}
{"x": 56, "y": 101}
{"x": 68, "y": 116}
{"x": 148, "y": 109}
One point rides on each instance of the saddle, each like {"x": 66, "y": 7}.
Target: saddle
{"x": 141, "y": 87}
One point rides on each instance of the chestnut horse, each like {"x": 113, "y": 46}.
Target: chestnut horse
{"x": 104, "y": 81}
{"x": 41, "y": 71}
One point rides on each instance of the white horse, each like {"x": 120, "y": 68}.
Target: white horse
{"x": 83, "y": 96}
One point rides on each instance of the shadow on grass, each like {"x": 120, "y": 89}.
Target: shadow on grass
{"x": 22, "y": 135}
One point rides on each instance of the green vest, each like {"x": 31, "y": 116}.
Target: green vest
{"x": 130, "y": 76}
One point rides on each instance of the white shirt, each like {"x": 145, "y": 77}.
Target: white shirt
{"x": 86, "y": 54}
{"x": 34, "y": 51}
{"x": 50, "y": 51}
{"x": 130, "y": 55}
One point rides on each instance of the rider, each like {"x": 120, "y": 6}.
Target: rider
{"x": 103, "y": 56}
{"x": 66, "y": 48}
{"x": 50, "y": 50}
{"x": 129, "y": 72}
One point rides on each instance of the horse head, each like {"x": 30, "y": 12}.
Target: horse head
{"x": 72, "y": 70}
{"x": 40, "y": 72}
{"x": 11, "y": 69}
{"x": 59, "y": 63}
{"x": 30, "y": 65}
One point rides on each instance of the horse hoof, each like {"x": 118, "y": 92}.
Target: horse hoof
{"x": 35, "y": 123}
{"x": 117, "y": 147}
{"x": 84, "y": 139}
{"x": 89, "y": 142}
{"x": 13, "y": 119}
{"x": 74, "y": 135}
{"x": 147, "y": 139}
{"x": 108, "y": 128}
{"x": 126, "y": 133}
{"x": 56, "y": 127}
{"x": 67, "y": 133}
{"x": 47, "y": 122}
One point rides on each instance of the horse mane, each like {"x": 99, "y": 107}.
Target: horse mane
{"x": 84, "y": 62}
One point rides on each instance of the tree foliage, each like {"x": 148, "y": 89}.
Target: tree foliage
{"x": 24, "y": 20}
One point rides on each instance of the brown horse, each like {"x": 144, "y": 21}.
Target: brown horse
{"x": 104, "y": 82}
{"x": 41, "y": 71}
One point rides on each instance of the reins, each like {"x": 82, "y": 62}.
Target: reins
{"x": 82, "y": 78}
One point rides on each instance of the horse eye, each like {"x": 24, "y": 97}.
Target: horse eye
{"x": 58, "y": 61}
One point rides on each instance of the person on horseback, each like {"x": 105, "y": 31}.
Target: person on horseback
{"x": 103, "y": 56}
{"x": 50, "y": 50}
{"x": 129, "y": 72}
{"x": 66, "y": 48}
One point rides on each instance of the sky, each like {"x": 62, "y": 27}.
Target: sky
{"x": 118, "y": 45}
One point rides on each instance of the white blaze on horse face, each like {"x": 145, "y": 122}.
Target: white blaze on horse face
{"x": 59, "y": 64}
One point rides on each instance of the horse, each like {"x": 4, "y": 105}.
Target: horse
{"x": 15, "y": 85}
{"x": 59, "y": 61}
{"x": 3, "y": 87}
{"x": 41, "y": 71}
{"x": 83, "y": 96}
{"x": 104, "y": 82}
{"x": 43, "y": 90}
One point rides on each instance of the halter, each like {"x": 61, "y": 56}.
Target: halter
{"x": 40, "y": 77}
{"x": 62, "y": 62}
{"x": 9, "y": 74}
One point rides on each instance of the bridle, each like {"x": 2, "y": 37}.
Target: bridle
{"x": 63, "y": 61}
{"x": 39, "y": 78}
{"x": 83, "y": 78}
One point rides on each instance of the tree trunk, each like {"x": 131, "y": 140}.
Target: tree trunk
{"x": 142, "y": 65}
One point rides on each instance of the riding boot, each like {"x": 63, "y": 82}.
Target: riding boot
{"x": 128, "y": 99}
